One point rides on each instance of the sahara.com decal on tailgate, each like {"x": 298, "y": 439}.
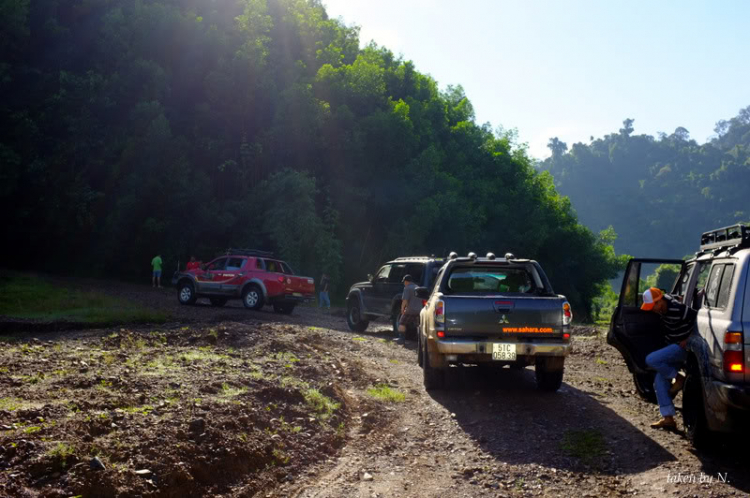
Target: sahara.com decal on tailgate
{"x": 528, "y": 330}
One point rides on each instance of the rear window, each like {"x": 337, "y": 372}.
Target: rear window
{"x": 490, "y": 280}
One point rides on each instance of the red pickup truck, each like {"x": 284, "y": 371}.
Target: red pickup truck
{"x": 256, "y": 277}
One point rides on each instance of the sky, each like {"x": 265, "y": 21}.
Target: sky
{"x": 573, "y": 69}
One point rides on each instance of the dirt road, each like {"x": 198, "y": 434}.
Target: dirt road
{"x": 487, "y": 435}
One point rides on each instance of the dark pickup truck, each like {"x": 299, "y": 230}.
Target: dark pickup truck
{"x": 494, "y": 312}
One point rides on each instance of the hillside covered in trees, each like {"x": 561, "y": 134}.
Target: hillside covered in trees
{"x": 659, "y": 193}
{"x": 180, "y": 127}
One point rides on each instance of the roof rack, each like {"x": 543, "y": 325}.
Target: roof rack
{"x": 734, "y": 236}
{"x": 249, "y": 252}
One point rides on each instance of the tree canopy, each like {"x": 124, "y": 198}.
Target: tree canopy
{"x": 180, "y": 127}
{"x": 659, "y": 193}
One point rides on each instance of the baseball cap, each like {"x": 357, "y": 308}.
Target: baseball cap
{"x": 407, "y": 278}
{"x": 650, "y": 297}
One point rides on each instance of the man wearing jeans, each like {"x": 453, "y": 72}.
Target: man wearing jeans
{"x": 324, "y": 299}
{"x": 678, "y": 321}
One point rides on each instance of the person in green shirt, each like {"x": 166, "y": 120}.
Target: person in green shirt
{"x": 156, "y": 274}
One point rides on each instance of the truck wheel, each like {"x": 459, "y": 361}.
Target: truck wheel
{"x": 693, "y": 411}
{"x": 354, "y": 318}
{"x": 285, "y": 309}
{"x": 218, "y": 301}
{"x": 434, "y": 378}
{"x": 547, "y": 378}
{"x": 186, "y": 293}
{"x": 644, "y": 386}
{"x": 252, "y": 297}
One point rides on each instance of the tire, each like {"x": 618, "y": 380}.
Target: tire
{"x": 252, "y": 297}
{"x": 644, "y": 386}
{"x": 354, "y": 318}
{"x": 548, "y": 380}
{"x": 218, "y": 301}
{"x": 434, "y": 378}
{"x": 186, "y": 292}
{"x": 693, "y": 410}
{"x": 284, "y": 309}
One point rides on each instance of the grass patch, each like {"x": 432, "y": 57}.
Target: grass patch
{"x": 359, "y": 339}
{"x": 320, "y": 403}
{"x": 599, "y": 361}
{"x": 12, "y": 404}
{"x": 61, "y": 451}
{"x": 586, "y": 445}
{"x": 202, "y": 355}
{"x": 228, "y": 391}
{"x": 384, "y": 393}
{"x": 135, "y": 410}
{"x": 26, "y": 296}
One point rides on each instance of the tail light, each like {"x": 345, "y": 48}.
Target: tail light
{"x": 566, "y": 336}
{"x": 440, "y": 312}
{"x": 567, "y": 313}
{"x": 734, "y": 356}
{"x": 280, "y": 279}
{"x": 424, "y": 302}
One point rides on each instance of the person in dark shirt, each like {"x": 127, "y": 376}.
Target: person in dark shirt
{"x": 678, "y": 322}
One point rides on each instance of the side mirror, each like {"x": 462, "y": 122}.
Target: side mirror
{"x": 369, "y": 277}
{"x": 422, "y": 292}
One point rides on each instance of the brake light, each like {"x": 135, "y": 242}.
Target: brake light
{"x": 566, "y": 336}
{"x": 441, "y": 334}
{"x": 440, "y": 312}
{"x": 734, "y": 361}
{"x": 567, "y": 313}
{"x": 733, "y": 338}
{"x": 734, "y": 356}
{"x": 281, "y": 280}
{"x": 424, "y": 302}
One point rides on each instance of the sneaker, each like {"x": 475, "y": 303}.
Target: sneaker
{"x": 665, "y": 423}
{"x": 679, "y": 381}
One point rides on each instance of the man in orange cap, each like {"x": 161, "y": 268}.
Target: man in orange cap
{"x": 678, "y": 321}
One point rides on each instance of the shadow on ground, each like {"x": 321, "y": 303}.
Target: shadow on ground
{"x": 509, "y": 418}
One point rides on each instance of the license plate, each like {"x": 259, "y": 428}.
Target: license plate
{"x": 504, "y": 352}
{"x": 297, "y": 294}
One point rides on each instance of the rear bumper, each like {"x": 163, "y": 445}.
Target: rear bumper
{"x": 291, "y": 298}
{"x": 473, "y": 347}
{"x": 737, "y": 397}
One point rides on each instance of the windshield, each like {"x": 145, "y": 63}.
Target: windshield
{"x": 495, "y": 279}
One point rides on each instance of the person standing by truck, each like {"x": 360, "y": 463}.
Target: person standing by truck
{"x": 156, "y": 271}
{"x": 678, "y": 321}
{"x": 411, "y": 305}
{"x": 324, "y": 299}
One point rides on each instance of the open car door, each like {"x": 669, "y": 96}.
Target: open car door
{"x": 634, "y": 332}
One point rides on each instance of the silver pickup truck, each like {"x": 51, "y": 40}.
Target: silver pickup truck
{"x": 493, "y": 312}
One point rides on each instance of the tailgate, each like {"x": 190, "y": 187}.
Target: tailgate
{"x": 300, "y": 285}
{"x": 493, "y": 316}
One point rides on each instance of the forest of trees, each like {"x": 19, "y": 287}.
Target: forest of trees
{"x": 136, "y": 127}
{"x": 659, "y": 193}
